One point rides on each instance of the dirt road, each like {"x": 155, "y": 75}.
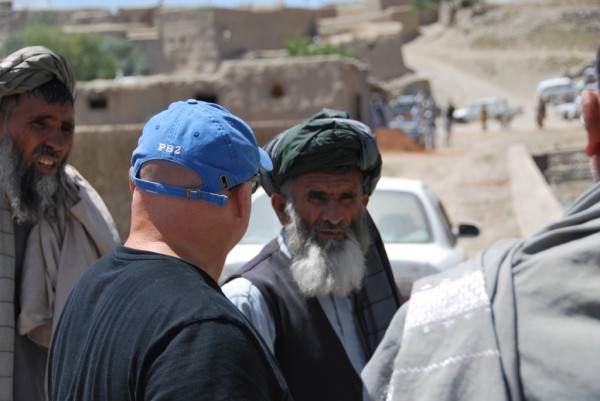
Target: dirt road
{"x": 471, "y": 176}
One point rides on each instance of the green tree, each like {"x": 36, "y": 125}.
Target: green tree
{"x": 92, "y": 56}
{"x": 300, "y": 45}
{"x": 296, "y": 45}
{"x": 129, "y": 60}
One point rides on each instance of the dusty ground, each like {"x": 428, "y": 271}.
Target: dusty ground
{"x": 471, "y": 175}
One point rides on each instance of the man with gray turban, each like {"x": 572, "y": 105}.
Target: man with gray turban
{"x": 53, "y": 223}
{"x": 322, "y": 293}
{"x": 519, "y": 321}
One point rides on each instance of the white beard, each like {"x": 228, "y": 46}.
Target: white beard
{"x": 336, "y": 267}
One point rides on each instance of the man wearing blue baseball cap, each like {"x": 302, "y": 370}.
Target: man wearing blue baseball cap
{"x": 149, "y": 321}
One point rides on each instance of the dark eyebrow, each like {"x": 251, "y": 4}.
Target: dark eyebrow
{"x": 68, "y": 125}
{"x": 319, "y": 194}
{"x": 347, "y": 194}
{"x": 44, "y": 117}
{"x": 313, "y": 193}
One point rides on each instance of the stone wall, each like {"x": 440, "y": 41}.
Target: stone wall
{"x": 102, "y": 154}
{"x": 240, "y": 31}
{"x": 383, "y": 4}
{"x": 286, "y": 89}
{"x": 189, "y": 39}
{"x": 294, "y": 88}
{"x": 198, "y": 39}
{"x": 383, "y": 56}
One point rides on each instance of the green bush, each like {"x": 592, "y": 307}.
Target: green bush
{"x": 299, "y": 46}
{"x": 91, "y": 56}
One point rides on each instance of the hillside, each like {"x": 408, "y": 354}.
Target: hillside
{"x": 501, "y": 51}
{"x": 510, "y": 46}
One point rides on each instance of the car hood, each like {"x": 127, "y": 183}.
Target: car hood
{"x": 411, "y": 262}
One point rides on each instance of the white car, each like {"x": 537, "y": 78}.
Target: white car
{"x": 418, "y": 236}
{"x": 496, "y": 108}
{"x": 568, "y": 111}
{"x": 572, "y": 110}
{"x": 557, "y": 90}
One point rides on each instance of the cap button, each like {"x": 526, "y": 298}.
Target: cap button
{"x": 192, "y": 101}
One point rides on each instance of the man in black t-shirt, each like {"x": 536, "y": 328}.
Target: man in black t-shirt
{"x": 148, "y": 321}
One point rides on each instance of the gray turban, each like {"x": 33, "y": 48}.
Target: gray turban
{"x": 329, "y": 141}
{"x": 31, "y": 67}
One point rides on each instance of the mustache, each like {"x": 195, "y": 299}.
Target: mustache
{"x": 324, "y": 224}
{"x": 45, "y": 150}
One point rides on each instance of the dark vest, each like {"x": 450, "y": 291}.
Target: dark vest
{"x": 310, "y": 355}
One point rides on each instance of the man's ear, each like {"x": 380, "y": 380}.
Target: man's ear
{"x": 365, "y": 200}
{"x": 241, "y": 206}
{"x": 131, "y": 184}
{"x": 279, "y": 202}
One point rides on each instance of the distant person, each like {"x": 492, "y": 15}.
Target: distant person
{"x": 322, "y": 293}
{"x": 505, "y": 115}
{"x": 53, "y": 225}
{"x": 519, "y": 321}
{"x": 380, "y": 115}
{"x": 540, "y": 113}
{"x": 484, "y": 117}
{"x": 430, "y": 129}
{"x": 149, "y": 321}
{"x": 448, "y": 122}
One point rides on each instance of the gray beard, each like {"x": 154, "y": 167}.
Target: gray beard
{"x": 32, "y": 195}
{"x": 335, "y": 267}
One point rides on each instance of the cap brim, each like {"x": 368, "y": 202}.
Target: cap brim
{"x": 265, "y": 160}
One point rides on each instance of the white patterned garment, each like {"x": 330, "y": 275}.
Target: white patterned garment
{"x": 520, "y": 321}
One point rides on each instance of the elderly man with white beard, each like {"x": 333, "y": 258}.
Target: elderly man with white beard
{"x": 53, "y": 223}
{"x": 322, "y": 293}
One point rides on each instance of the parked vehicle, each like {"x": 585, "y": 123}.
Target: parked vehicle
{"x": 401, "y": 106}
{"x": 557, "y": 90}
{"x": 412, "y": 114}
{"x": 419, "y": 238}
{"x": 568, "y": 111}
{"x": 408, "y": 126}
{"x": 496, "y": 107}
{"x": 572, "y": 110}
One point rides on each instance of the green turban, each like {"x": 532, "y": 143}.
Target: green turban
{"x": 31, "y": 67}
{"x": 329, "y": 141}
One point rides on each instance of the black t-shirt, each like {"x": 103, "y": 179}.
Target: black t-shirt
{"x": 145, "y": 326}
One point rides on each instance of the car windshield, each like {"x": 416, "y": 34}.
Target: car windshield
{"x": 400, "y": 217}
{"x": 402, "y": 105}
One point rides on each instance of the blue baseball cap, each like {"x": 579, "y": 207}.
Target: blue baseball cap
{"x": 208, "y": 139}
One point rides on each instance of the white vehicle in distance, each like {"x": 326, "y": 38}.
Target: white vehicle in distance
{"x": 418, "y": 236}
{"x": 557, "y": 90}
{"x": 496, "y": 108}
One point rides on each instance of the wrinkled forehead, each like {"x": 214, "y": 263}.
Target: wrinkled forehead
{"x": 315, "y": 180}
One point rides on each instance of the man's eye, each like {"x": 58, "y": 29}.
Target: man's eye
{"x": 317, "y": 196}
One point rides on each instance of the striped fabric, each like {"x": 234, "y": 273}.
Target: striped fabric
{"x": 7, "y": 290}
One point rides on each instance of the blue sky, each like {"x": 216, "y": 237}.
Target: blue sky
{"x": 114, "y": 4}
